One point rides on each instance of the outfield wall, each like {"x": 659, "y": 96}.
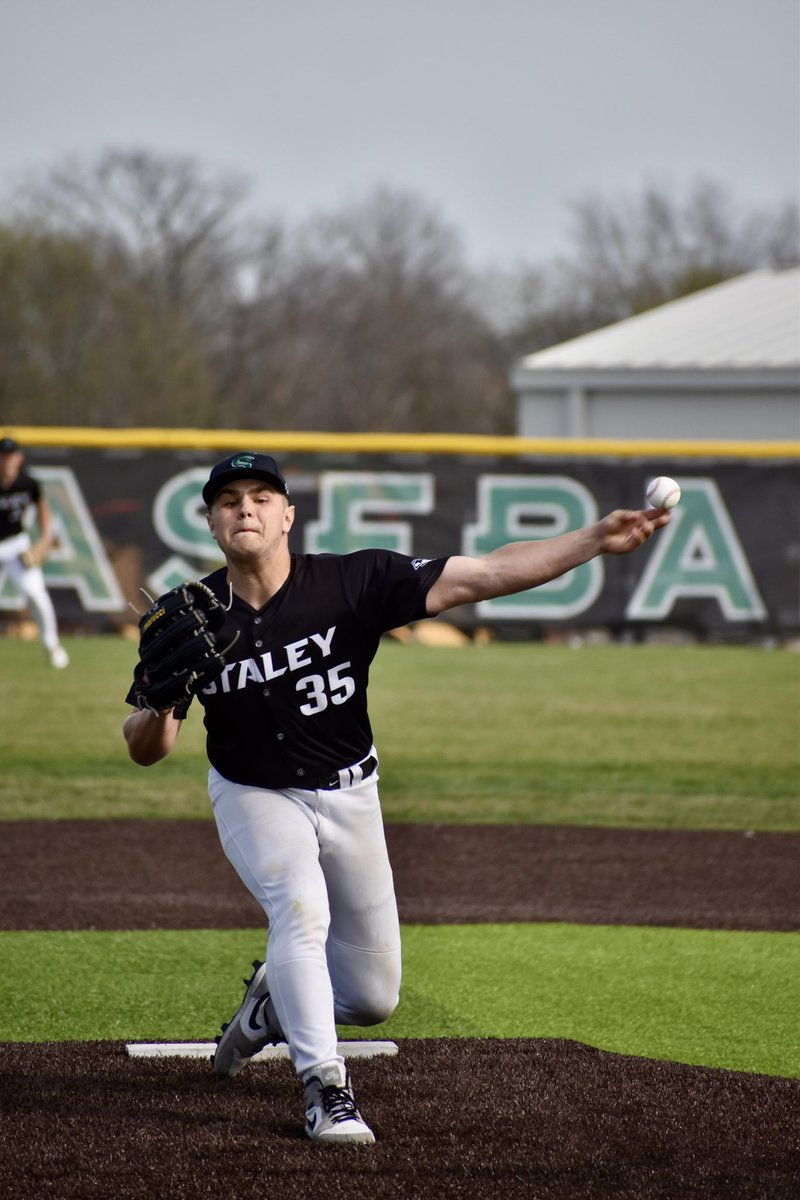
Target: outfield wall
{"x": 128, "y": 515}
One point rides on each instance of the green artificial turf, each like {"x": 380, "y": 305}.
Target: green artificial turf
{"x": 713, "y": 998}
{"x": 657, "y": 736}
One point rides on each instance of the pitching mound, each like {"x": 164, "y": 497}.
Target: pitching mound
{"x": 484, "y": 1119}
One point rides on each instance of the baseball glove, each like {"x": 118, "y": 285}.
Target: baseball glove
{"x": 35, "y": 555}
{"x": 178, "y": 652}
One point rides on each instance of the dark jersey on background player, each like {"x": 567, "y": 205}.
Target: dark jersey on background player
{"x": 16, "y": 497}
{"x": 19, "y": 555}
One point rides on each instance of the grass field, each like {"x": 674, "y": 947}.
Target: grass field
{"x": 708, "y": 997}
{"x": 664, "y": 737}
{"x": 646, "y": 736}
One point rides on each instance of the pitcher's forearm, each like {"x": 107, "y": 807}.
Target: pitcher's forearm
{"x": 521, "y": 565}
{"x": 518, "y": 566}
{"x": 512, "y": 568}
{"x": 150, "y": 736}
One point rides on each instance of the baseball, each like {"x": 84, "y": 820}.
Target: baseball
{"x": 662, "y": 492}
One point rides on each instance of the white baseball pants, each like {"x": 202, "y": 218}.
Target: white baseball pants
{"x": 316, "y": 861}
{"x": 30, "y": 582}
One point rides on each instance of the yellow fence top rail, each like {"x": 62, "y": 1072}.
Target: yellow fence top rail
{"x": 391, "y": 443}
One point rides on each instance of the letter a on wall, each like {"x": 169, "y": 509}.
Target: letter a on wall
{"x": 698, "y": 555}
{"x": 79, "y": 559}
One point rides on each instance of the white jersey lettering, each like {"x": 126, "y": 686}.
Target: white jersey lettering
{"x": 225, "y": 677}
{"x": 248, "y": 670}
{"x": 265, "y": 667}
{"x": 270, "y": 671}
{"x": 323, "y": 640}
{"x": 293, "y": 655}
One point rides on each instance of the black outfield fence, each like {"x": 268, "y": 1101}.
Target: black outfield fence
{"x": 129, "y": 515}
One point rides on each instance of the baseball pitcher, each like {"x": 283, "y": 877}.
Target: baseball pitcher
{"x": 276, "y": 646}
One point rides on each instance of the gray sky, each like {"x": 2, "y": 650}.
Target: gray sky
{"x": 497, "y": 112}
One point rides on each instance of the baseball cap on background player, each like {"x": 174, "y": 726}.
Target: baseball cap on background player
{"x": 244, "y": 466}
{"x": 8, "y": 445}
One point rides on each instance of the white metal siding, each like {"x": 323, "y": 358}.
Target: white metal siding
{"x": 675, "y": 415}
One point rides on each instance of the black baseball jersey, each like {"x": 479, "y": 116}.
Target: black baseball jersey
{"x": 290, "y": 708}
{"x": 14, "y": 500}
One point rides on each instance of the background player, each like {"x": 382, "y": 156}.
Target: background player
{"x": 294, "y": 772}
{"x": 21, "y": 557}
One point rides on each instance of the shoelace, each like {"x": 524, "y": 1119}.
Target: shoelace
{"x": 339, "y": 1103}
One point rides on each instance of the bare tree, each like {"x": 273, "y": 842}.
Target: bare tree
{"x": 632, "y": 253}
{"x": 363, "y": 320}
{"x": 83, "y": 341}
{"x": 122, "y": 298}
{"x": 167, "y": 245}
{"x": 174, "y": 223}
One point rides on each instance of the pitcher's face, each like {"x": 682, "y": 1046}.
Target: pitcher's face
{"x": 250, "y": 520}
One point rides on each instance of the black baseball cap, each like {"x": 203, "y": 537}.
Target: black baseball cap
{"x": 244, "y": 465}
{"x": 8, "y": 445}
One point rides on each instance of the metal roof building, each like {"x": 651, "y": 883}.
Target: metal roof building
{"x": 721, "y": 363}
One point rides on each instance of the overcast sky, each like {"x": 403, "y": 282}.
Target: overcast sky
{"x": 497, "y": 112}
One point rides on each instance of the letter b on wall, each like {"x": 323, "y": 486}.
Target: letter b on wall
{"x": 519, "y": 508}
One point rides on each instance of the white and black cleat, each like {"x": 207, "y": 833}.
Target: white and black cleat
{"x": 332, "y": 1118}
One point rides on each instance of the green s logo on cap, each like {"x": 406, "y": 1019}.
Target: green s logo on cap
{"x": 243, "y": 461}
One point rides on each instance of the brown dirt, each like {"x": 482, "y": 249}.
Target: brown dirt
{"x": 485, "y": 1119}
{"x": 173, "y": 875}
{"x": 479, "y": 1118}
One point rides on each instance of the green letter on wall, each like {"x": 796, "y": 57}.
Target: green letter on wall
{"x": 179, "y": 520}
{"x": 519, "y": 508}
{"x": 698, "y": 554}
{"x": 352, "y": 507}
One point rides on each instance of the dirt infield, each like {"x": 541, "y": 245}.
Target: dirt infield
{"x": 173, "y": 875}
{"x": 482, "y": 1119}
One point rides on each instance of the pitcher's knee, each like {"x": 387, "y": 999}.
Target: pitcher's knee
{"x": 369, "y": 1014}
{"x": 369, "y": 1006}
{"x": 378, "y": 1010}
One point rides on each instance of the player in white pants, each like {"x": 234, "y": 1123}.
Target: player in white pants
{"x": 293, "y": 779}
{"x": 19, "y": 492}
{"x": 336, "y": 958}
